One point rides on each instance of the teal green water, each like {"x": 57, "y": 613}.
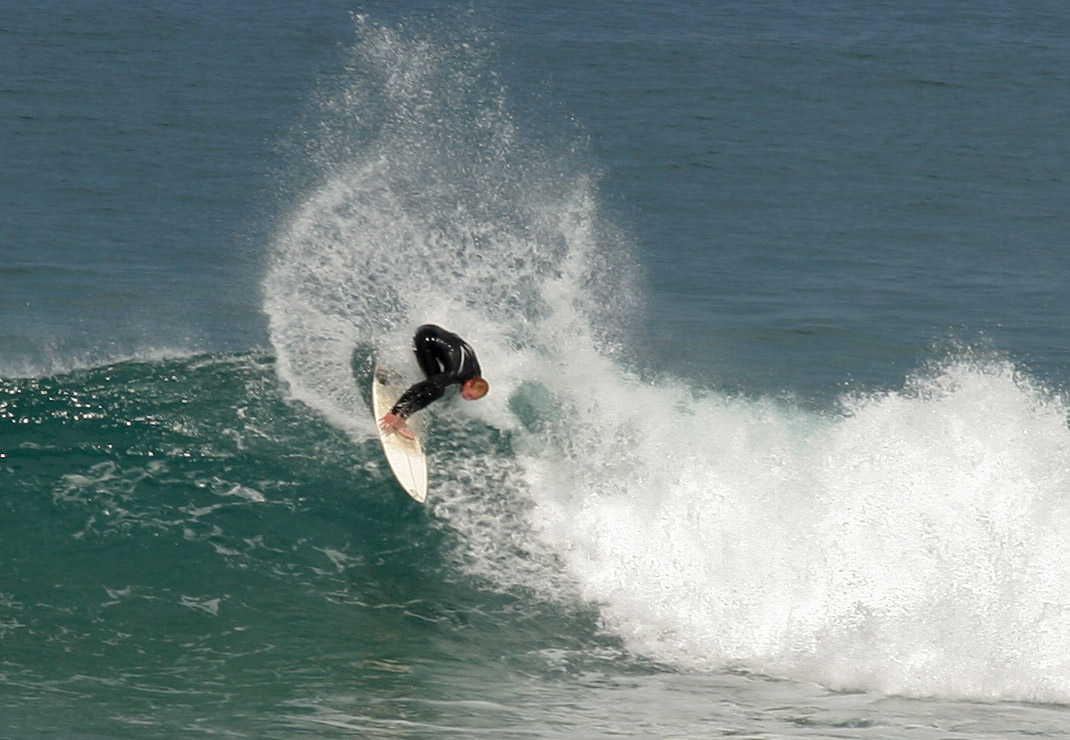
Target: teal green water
{"x": 181, "y": 546}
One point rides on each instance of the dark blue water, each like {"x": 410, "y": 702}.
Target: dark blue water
{"x": 770, "y": 295}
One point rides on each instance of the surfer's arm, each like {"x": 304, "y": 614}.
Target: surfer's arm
{"x": 421, "y": 395}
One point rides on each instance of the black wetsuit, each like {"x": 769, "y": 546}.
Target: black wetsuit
{"x": 446, "y": 359}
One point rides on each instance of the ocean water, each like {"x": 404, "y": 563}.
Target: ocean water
{"x": 772, "y": 301}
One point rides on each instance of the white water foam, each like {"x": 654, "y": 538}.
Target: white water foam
{"x": 913, "y": 543}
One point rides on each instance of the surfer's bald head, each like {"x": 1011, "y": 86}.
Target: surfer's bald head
{"x": 474, "y": 388}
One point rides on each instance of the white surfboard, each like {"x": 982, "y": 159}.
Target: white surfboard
{"x": 406, "y": 456}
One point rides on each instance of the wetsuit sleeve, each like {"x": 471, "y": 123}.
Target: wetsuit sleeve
{"x": 422, "y": 394}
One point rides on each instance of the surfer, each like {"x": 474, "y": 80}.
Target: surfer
{"x": 446, "y": 360}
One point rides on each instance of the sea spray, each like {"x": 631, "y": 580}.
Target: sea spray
{"x": 432, "y": 208}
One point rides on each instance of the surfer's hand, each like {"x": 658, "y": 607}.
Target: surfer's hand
{"x": 396, "y": 425}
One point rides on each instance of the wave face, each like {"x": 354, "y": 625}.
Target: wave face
{"x": 183, "y": 548}
{"x": 909, "y": 542}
